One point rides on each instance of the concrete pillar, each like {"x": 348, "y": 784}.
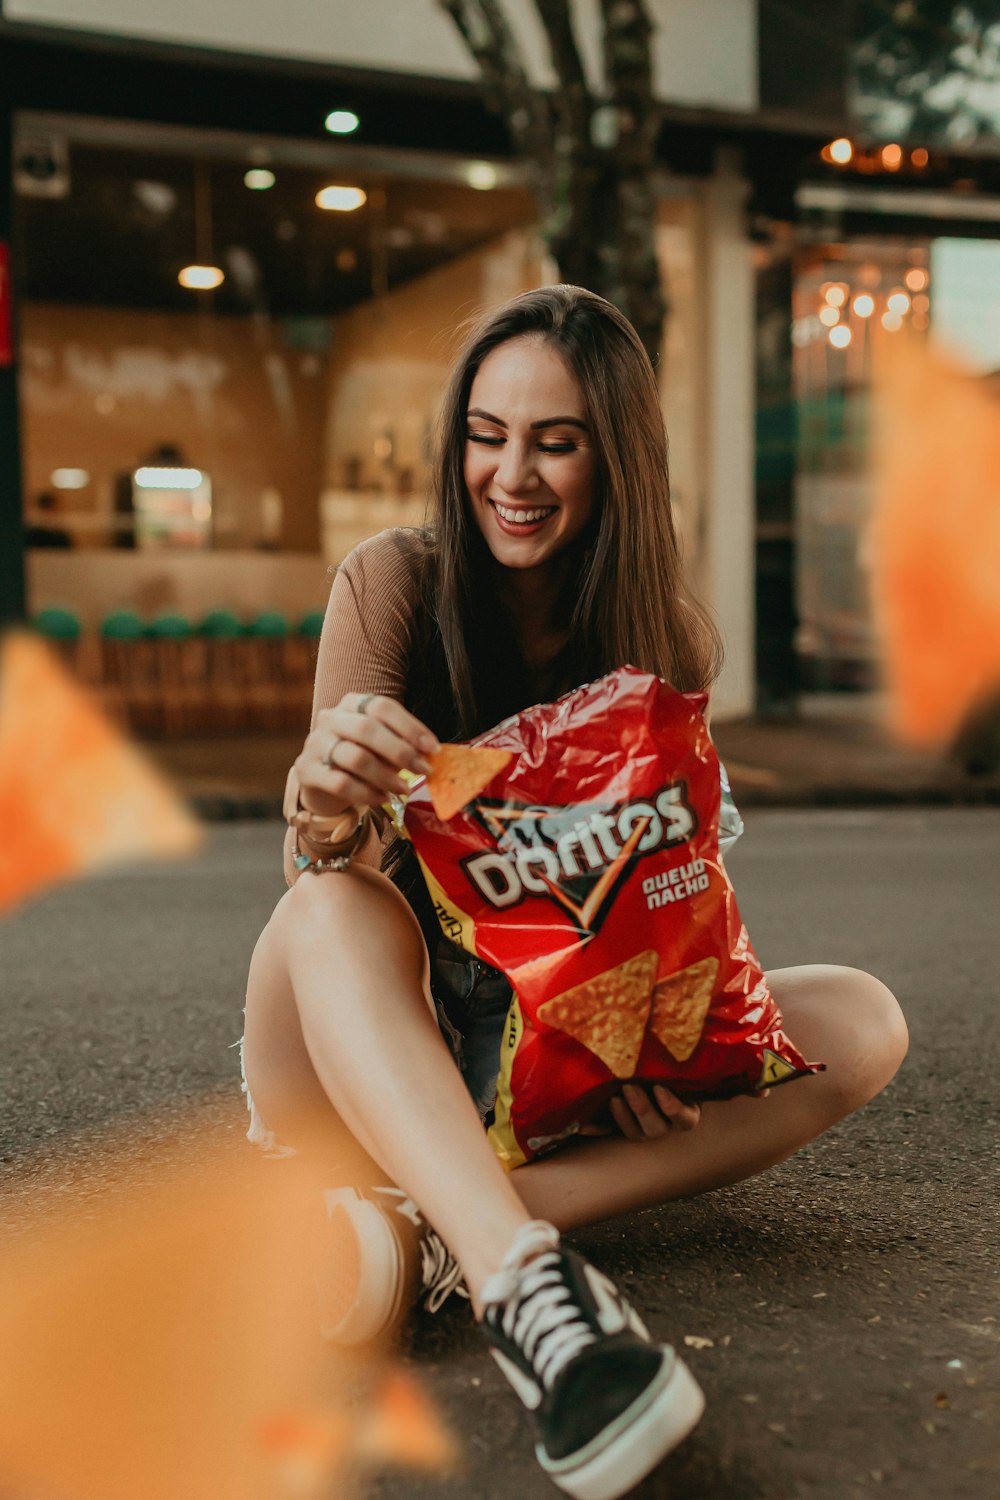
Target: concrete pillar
{"x": 730, "y": 529}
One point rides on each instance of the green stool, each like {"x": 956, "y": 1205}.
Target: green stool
{"x": 311, "y": 625}
{"x": 122, "y": 625}
{"x": 57, "y": 624}
{"x": 220, "y": 625}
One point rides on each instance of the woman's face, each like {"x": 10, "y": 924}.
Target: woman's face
{"x": 530, "y": 465}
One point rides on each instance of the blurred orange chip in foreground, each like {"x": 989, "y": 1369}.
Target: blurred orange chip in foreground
{"x": 161, "y": 1340}
{"x": 74, "y": 795}
{"x": 935, "y": 541}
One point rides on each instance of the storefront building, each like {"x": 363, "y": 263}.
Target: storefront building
{"x": 170, "y": 445}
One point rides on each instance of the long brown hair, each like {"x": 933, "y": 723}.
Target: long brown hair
{"x": 629, "y": 600}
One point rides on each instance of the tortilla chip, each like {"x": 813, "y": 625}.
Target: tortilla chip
{"x": 459, "y": 773}
{"x": 680, "y": 1005}
{"x": 608, "y": 1014}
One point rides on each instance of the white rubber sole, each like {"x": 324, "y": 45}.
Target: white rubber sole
{"x": 625, "y": 1452}
{"x": 359, "y": 1232}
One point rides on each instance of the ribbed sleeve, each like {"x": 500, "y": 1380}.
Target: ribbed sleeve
{"x": 365, "y": 644}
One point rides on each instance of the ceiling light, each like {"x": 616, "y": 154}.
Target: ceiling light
{"x": 342, "y": 200}
{"x": 163, "y": 477}
{"x": 69, "y": 479}
{"x": 259, "y": 179}
{"x": 201, "y": 278}
{"x": 481, "y": 175}
{"x": 341, "y": 122}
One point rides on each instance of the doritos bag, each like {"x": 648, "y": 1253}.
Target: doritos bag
{"x": 576, "y": 847}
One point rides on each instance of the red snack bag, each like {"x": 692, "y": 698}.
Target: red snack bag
{"x": 584, "y": 863}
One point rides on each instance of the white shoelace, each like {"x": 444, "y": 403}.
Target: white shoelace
{"x": 540, "y": 1315}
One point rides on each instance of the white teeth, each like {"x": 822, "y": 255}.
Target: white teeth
{"x": 522, "y": 517}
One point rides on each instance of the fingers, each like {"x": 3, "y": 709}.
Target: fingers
{"x": 680, "y": 1115}
{"x": 356, "y": 750}
{"x": 641, "y": 1118}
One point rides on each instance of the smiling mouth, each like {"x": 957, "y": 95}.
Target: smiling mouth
{"x": 519, "y": 517}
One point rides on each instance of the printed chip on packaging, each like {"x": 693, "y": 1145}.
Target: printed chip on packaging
{"x": 576, "y": 848}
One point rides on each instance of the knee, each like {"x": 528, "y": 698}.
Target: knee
{"x": 873, "y": 1041}
{"x": 357, "y": 907}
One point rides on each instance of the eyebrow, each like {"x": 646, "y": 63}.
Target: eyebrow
{"x": 486, "y": 416}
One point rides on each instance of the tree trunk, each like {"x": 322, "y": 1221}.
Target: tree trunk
{"x": 591, "y": 159}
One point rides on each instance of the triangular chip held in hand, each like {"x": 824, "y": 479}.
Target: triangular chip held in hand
{"x": 608, "y": 1014}
{"x": 74, "y": 795}
{"x": 459, "y": 772}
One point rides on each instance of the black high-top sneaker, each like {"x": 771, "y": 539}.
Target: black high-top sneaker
{"x": 380, "y": 1258}
{"x": 608, "y": 1402}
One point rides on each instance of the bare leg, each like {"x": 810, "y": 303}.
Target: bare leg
{"x": 839, "y": 1016}
{"x": 340, "y": 1027}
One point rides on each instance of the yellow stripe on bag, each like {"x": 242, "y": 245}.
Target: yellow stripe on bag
{"x": 501, "y": 1132}
{"x": 456, "y": 924}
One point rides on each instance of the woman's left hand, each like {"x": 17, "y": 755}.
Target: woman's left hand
{"x": 642, "y": 1114}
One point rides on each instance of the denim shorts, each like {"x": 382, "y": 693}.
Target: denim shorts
{"x": 472, "y": 1001}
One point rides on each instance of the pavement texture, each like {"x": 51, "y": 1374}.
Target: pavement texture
{"x": 834, "y": 753}
{"x": 844, "y": 1305}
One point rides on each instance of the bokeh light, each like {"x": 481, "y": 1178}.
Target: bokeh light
{"x": 898, "y": 302}
{"x": 342, "y": 200}
{"x": 892, "y": 157}
{"x": 916, "y": 278}
{"x": 891, "y": 321}
{"x": 828, "y": 316}
{"x": 341, "y": 122}
{"x": 201, "y": 278}
{"x": 836, "y": 295}
{"x": 840, "y": 336}
{"x": 259, "y": 179}
{"x": 864, "y": 305}
{"x": 840, "y": 151}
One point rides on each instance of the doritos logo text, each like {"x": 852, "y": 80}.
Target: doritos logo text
{"x": 575, "y": 855}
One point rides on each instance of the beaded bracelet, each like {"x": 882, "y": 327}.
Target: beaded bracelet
{"x": 342, "y": 852}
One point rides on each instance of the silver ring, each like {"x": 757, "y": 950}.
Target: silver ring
{"x": 328, "y": 757}
{"x": 364, "y": 701}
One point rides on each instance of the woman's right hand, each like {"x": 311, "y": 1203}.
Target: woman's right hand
{"x": 354, "y": 753}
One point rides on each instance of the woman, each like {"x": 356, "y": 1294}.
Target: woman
{"x": 552, "y": 560}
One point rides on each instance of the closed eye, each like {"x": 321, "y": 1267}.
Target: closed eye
{"x": 491, "y": 441}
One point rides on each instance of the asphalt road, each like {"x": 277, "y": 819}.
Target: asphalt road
{"x": 851, "y": 1295}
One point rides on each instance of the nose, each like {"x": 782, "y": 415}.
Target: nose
{"x": 516, "y": 469}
